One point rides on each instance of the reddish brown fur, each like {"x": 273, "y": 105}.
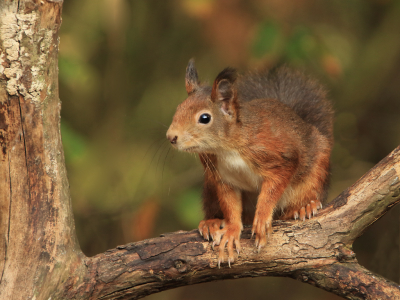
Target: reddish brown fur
{"x": 274, "y": 147}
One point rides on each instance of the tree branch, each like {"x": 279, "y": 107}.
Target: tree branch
{"x": 317, "y": 251}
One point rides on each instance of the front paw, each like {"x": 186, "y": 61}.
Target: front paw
{"x": 230, "y": 237}
{"x": 209, "y": 228}
{"x": 222, "y": 234}
{"x": 262, "y": 227}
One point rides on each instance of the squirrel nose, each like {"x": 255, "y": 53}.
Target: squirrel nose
{"x": 173, "y": 139}
{"x": 172, "y": 135}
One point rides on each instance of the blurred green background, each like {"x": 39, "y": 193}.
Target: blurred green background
{"x": 122, "y": 66}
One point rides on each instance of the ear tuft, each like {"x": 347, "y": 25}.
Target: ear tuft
{"x": 191, "y": 79}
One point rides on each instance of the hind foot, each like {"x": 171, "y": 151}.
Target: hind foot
{"x": 309, "y": 210}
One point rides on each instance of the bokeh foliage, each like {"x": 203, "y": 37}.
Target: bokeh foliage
{"x": 122, "y": 66}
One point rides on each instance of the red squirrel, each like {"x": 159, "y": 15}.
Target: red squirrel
{"x": 265, "y": 132}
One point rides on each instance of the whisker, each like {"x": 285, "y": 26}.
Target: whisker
{"x": 165, "y": 160}
{"x": 162, "y": 124}
{"x": 152, "y": 159}
{"x": 159, "y": 147}
{"x": 159, "y": 157}
{"x": 152, "y": 144}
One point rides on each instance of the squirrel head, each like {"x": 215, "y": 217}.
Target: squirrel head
{"x": 204, "y": 122}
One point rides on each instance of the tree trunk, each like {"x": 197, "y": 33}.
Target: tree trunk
{"x": 40, "y": 256}
{"x": 38, "y": 242}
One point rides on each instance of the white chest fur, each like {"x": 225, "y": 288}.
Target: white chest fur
{"x": 235, "y": 171}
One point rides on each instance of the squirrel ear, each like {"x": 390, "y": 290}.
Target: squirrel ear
{"x": 191, "y": 79}
{"x": 224, "y": 90}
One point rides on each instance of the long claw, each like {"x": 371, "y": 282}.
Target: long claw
{"x": 229, "y": 262}
{"x": 206, "y": 236}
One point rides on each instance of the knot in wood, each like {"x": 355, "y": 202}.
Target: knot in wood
{"x": 180, "y": 265}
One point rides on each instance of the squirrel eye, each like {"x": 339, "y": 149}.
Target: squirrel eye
{"x": 205, "y": 119}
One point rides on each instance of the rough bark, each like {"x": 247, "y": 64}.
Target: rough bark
{"x": 39, "y": 255}
{"x": 37, "y": 240}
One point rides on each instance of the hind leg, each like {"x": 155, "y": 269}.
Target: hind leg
{"x": 305, "y": 198}
{"x": 302, "y": 203}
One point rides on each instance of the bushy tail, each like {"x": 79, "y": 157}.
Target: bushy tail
{"x": 304, "y": 95}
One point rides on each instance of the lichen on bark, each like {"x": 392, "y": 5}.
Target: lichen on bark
{"x": 25, "y": 53}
